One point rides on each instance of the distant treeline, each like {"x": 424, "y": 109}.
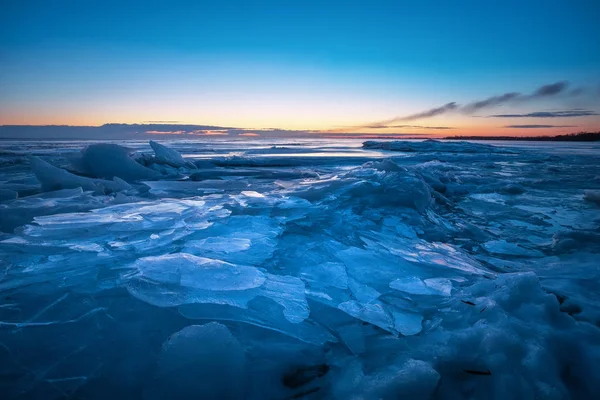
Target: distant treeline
{"x": 571, "y": 137}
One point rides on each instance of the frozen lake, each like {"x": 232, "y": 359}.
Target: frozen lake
{"x": 274, "y": 269}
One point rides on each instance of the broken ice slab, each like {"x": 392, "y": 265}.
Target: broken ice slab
{"x": 175, "y": 279}
{"x": 431, "y": 286}
{"x": 510, "y": 249}
{"x": 384, "y": 316}
{"x": 246, "y": 239}
{"x": 107, "y": 160}
{"x": 165, "y": 155}
{"x": 261, "y": 312}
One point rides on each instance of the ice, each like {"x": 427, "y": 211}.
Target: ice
{"x": 324, "y": 275}
{"x": 199, "y": 273}
{"x": 244, "y": 239}
{"x": 53, "y": 178}
{"x": 176, "y": 279}
{"x": 7, "y": 194}
{"x": 505, "y": 248}
{"x": 414, "y": 285}
{"x": 434, "y": 146}
{"x": 165, "y": 155}
{"x": 592, "y": 196}
{"x": 107, "y": 160}
{"x": 414, "y": 379}
{"x": 375, "y": 313}
{"x": 204, "y": 361}
{"x": 299, "y": 269}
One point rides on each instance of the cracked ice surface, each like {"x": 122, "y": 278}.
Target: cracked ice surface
{"x": 299, "y": 269}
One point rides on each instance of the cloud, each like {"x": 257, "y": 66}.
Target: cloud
{"x": 577, "y": 91}
{"x": 407, "y": 126}
{"x": 165, "y": 132}
{"x": 539, "y": 126}
{"x": 548, "y": 114}
{"x": 249, "y": 134}
{"x": 212, "y": 132}
{"x": 490, "y": 102}
{"x": 429, "y": 113}
{"x": 551, "y": 89}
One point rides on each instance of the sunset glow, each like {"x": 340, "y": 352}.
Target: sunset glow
{"x": 302, "y": 67}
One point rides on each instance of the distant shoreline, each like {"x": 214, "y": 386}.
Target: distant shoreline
{"x": 572, "y": 137}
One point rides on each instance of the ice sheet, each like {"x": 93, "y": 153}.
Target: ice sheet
{"x": 299, "y": 269}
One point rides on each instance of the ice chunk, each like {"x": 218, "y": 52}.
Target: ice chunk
{"x": 176, "y": 279}
{"x": 593, "y": 196}
{"x": 199, "y": 273}
{"x": 107, "y": 160}
{"x": 327, "y": 274}
{"x": 441, "y": 285}
{"x": 407, "y": 323}
{"x": 373, "y": 313}
{"x": 261, "y": 312}
{"x": 7, "y": 194}
{"x": 505, "y": 248}
{"x": 385, "y": 317}
{"x": 414, "y": 285}
{"x": 364, "y": 293}
{"x": 512, "y": 189}
{"x": 165, "y": 155}
{"x": 200, "y": 361}
{"x": 53, "y": 178}
{"x": 434, "y": 146}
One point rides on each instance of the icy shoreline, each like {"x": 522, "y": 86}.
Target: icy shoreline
{"x": 416, "y": 269}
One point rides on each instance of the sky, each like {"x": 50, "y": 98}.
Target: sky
{"x": 320, "y": 67}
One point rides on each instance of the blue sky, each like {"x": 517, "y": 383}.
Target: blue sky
{"x": 293, "y": 65}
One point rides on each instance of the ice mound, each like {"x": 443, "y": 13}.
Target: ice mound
{"x": 592, "y": 196}
{"x": 204, "y": 361}
{"x": 53, "y": 178}
{"x": 433, "y": 146}
{"x": 165, "y": 155}
{"x": 107, "y": 160}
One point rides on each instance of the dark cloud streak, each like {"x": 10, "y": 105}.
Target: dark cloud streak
{"x": 429, "y": 113}
{"x": 490, "y": 102}
{"x": 539, "y": 126}
{"x": 548, "y": 114}
{"x": 407, "y": 126}
{"x": 551, "y": 89}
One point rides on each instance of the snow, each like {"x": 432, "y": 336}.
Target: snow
{"x": 327, "y": 269}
